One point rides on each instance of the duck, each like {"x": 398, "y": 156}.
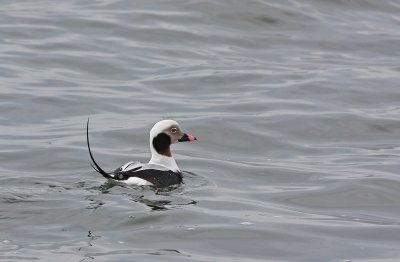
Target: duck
{"x": 161, "y": 171}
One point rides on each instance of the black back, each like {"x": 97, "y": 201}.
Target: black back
{"x": 159, "y": 178}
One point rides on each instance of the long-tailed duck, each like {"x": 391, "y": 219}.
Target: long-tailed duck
{"x": 162, "y": 170}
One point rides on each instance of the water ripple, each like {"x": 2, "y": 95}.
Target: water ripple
{"x": 295, "y": 105}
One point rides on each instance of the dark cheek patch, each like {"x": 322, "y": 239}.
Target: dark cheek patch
{"x": 161, "y": 144}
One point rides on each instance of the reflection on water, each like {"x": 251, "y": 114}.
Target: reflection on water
{"x": 148, "y": 195}
{"x": 90, "y": 243}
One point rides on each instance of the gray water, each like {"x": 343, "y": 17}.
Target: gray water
{"x": 296, "y": 106}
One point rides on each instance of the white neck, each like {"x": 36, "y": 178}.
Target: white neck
{"x": 166, "y": 161}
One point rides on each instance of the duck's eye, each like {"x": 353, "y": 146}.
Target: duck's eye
{"x": 174, "y": 130}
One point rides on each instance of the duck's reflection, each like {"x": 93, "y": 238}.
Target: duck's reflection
{"x": 148, "y": 195}
{"x": 154, "y": 204}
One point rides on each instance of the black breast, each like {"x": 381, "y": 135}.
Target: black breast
{"x": 159, "y": 178}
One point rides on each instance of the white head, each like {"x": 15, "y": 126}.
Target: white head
{"x": 162, "y": 135}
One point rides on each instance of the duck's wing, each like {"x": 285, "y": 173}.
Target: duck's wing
{"x": 157, "y": 177}
{"x": 130, "y": 166}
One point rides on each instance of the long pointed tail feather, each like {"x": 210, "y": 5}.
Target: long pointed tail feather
{"x": 99, "y": 170}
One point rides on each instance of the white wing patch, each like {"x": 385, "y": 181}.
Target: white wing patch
{"x": 131, "y": 165}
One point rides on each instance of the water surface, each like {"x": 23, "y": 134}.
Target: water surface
{"x": 295, "y": 104}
